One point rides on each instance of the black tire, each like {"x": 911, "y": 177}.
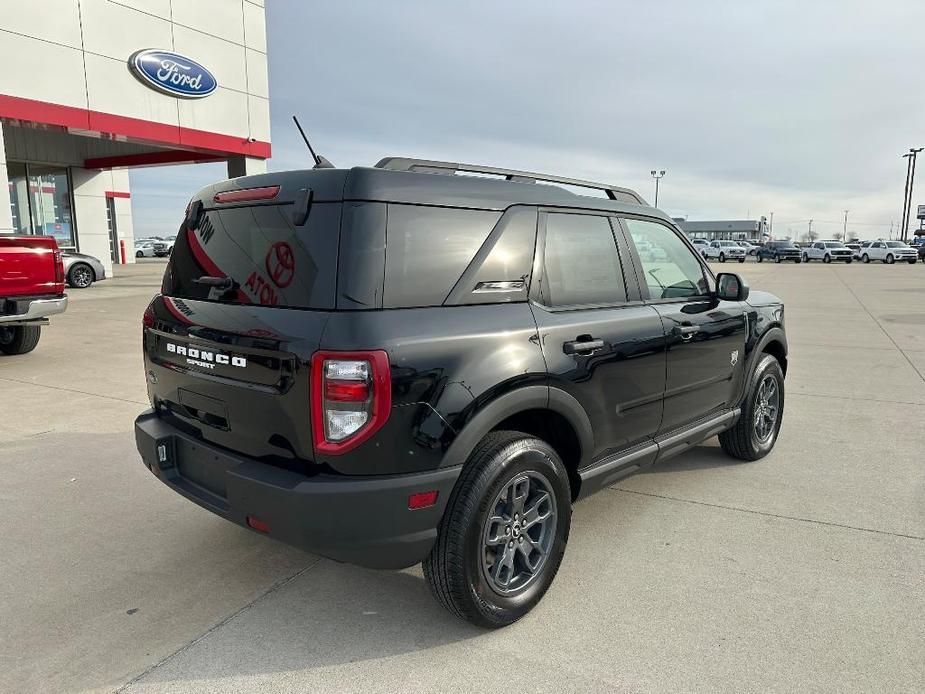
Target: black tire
{"x": 80, "y": 276}
{"x": 805, "y": 258}
{"x": 455, "y": 569}
{"x": 776, "y": 258}
{"x": 760, "y": 258}
{"x": 743, "y": 440}
{"x": 722, "y": 257}
{"x": 21, "y": 339}
{"x": 912, "y": 262}
{"x": 826, "y": 259}
{"x": 889, "y": 260}
{"x": 139, "y": 254}
{"x": 849, "y": 261}
{"x": 865, "y": 258}
{"x": 741, "y": 260}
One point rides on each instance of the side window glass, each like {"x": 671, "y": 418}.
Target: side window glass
{"x": 670, "y": 268}
{"x": 581, "y": 266}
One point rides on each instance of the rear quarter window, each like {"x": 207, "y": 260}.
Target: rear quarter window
{"x": 428, "y": 249}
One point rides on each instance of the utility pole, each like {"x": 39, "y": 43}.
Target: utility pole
{"x": 845, "y": 231}
{"x": 771, "y": 226}
{"x": 657, "y": 175}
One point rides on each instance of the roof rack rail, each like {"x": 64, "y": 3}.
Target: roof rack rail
{"x": 450, "y": 168}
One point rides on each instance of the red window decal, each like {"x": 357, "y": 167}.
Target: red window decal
{"x": 280, "y": 264}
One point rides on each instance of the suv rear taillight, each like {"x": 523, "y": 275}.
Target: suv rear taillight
{"x": 59, "y": 267}
{"x": 351, "y": 398}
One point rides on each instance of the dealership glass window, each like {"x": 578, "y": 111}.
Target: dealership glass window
{"x": 50, "y": 196}
{"x": 40, "y": 201}
{"x": 19, "y": 197}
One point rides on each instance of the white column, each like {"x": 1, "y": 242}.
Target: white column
{"x": 245, "y": 166}
{"x": 6, "y": 215}
{"x": 90, "y": 188}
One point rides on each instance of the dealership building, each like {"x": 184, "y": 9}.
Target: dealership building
{"x": 735, "y": 229}
{"x": 93, "y": 88}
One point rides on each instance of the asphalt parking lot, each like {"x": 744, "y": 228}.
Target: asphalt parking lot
{"x": 804, "y": 571}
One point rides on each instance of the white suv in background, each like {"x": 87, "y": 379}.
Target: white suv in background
{"x": 724, "y": 250}
{"x": 887, "y": 251}
{"x": 827, "y": 251}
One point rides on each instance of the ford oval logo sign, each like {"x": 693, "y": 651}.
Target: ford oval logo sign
{"x": 172, "y": 73}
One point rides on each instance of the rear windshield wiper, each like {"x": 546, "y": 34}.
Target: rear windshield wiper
{"x": 217, "y": 282}
{"x": 218, "y": 286}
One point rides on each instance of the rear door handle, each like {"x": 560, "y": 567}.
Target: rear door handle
{"x": 686, "y": 332}
{"x": 585, "y": 345}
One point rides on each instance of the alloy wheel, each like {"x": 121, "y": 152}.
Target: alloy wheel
{"x": 519, "y": 533}
{"x": 767, "y": 408}
{"x": 82, "y": 276}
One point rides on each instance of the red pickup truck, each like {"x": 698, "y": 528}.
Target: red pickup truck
{"x": 31, "y": 289}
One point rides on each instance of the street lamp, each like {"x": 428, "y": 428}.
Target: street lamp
{"x": 656, "y": 175}
{"x": 907, "y": 194}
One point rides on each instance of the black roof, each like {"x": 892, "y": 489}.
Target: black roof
{"x": 429, "y": 188}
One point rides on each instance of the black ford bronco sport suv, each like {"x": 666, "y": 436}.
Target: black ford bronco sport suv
{"x": 406, "y": 364}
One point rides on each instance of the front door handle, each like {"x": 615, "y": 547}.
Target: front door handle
{"x": 583, "y": 344}
{"x": 686, "y": 332}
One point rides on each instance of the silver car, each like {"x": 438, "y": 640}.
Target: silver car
{"x": 82, "y": 270}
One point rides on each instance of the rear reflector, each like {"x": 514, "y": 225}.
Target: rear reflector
{"x": 248, "y": 194}
{"x": 258, "y": 524}
{"x": 346, "y": 391}
{"x": 422, "y": 500}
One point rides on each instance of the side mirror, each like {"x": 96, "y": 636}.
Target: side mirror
{"x": 731, "y": 287}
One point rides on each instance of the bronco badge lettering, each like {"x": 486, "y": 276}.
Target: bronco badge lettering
{"x": 206, "y": 358}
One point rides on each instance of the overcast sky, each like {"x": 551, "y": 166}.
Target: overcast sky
{"x": 800, "y": 108}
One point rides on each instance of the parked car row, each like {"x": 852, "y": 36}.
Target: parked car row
{"x": 826, "y": 251}
{"x": 155, "y": 247}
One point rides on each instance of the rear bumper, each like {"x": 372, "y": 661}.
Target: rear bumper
{"x": 33, "y": 309}
{"x": 362, "y": 520}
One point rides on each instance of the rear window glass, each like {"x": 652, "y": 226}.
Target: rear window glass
{"x": 266, "y": 259}
{"x": 428, "y": 249}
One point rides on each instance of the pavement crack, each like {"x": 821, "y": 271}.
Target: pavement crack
{"x": 832, "y": 396}
{"x": 767, "y": 514}
{"x": 879, "y": 325}
{"x": 72, "y": 390}
{"x": 215, "y": 627}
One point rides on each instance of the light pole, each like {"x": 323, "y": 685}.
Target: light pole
{"x": 907, "y": 193}
{"x": 911, "y": 188}
{"x": 657, "y": 176}
{"x": 844, "y": 235}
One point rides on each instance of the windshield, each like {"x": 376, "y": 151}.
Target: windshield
{"x": 894, "y": 244}
{"x": 728, "y": 244}
{"x": 783, "y": 244}
{"x": 833, "y": 244}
